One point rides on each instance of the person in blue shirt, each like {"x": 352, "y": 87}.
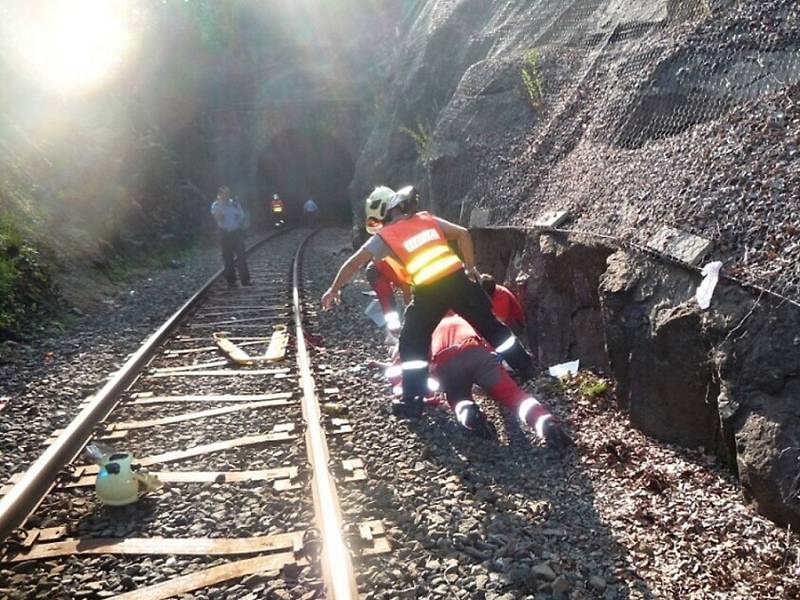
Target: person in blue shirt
{"x": 230, "y": 219}
{"x": 310, "y": 211}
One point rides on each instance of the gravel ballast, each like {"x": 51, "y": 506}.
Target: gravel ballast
{"x": 622, "y": 516}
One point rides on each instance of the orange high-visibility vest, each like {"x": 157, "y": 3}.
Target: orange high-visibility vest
{"x": 393, "y": 271}
{"x": 277, "y": 206}
{"x": 421, "y": 246}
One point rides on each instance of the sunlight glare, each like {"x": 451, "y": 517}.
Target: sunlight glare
{"x": 67, "y": 46}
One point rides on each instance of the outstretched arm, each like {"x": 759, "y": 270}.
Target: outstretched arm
{"x": 345, "y": 274}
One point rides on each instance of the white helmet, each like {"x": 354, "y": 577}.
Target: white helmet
{"x": 376, "y": 206}
{"x": 405, "y": 197}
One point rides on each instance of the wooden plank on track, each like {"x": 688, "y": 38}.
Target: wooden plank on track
{"x": 252, "y": 338}
{"x": 212, "y": 576}
{"x": 250, "y": 440}
{"x": 228, "y": 309}
{"x": 201, "y": 414}
{"x": 219, "y": 373}
{"x": 248, "y": 320}
{"x": 206, "y": 476}
{"x": 161, "y": 546}
{"x": 171, "y": 353}
{"x": 210, "y": 398}
{"x": 231, "y": 326}
{"x": 204, "y": 365}
{"x": 106, "y": 436}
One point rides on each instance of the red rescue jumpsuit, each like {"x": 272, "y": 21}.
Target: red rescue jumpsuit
{"x": 506, "y": 307}
{"x": 460, "y": 358}
{"x": 384, "y": 277}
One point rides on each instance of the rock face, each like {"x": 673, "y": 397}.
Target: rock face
{"x": 726, "y": 379}
{"x": 648, "y": 113}
{"x": 759, "y": 365}
{"x": 658, "y": 354}
{"x": 558, "y": 282}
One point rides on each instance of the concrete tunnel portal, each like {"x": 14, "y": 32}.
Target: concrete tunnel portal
{"x": 299, "y": 163}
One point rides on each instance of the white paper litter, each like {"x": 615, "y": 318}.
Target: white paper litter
{"x": 567, "y": 368}
{"x": 706, "y": 288}
{"x": 375, "y": 312}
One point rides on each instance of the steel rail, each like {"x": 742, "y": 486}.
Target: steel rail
{"x": 27, "y": 494}
{"x": 336, "y": 563}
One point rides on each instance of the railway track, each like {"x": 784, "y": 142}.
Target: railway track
{"x": 250, "y": 503}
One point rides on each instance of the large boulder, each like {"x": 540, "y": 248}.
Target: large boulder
{"x": 758, "y": 360}
{"x": 658, "y": 352}
{"x": 727, "y": 379}
{"x": 558, "y": 278}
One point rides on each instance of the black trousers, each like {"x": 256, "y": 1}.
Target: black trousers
{"x": 430, "y": 303}
{"x": 233, "y": 248}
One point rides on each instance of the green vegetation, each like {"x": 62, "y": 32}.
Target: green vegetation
{"x": 553, "y": 386}
{"x": 594, "y": 387}
{"x": 25, "y": 288}
{"x": 532, "y": 78}
{"x": 422, "y": 139}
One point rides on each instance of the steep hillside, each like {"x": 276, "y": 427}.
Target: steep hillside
{"x": 629, "y": 114}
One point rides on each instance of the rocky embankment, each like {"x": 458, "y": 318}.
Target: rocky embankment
{"x": 724, "y": 381}
{"x": 633, "y": 115}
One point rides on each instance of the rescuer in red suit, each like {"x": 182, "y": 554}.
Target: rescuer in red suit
{"x": 505, "y": 305}
{"x": 459, "y": 359}
{"x": 441, "y": 281}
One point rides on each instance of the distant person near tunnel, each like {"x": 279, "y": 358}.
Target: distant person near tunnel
{"x": 230, "y": 218}
{"x": 278, "y": 210}
{"x": 441, "y": 281}
{"x": 311, "y": 212}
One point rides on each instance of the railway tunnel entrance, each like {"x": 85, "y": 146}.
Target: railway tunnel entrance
{"x": 302, "y": 163}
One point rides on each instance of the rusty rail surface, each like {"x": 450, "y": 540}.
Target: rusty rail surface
{"x": 337, "y": 567}
{"x": 28, "y": 493}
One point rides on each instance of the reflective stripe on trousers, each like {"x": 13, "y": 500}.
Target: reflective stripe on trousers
{"x": 461, "y": 410}
{"x": 531, "y": 405}
{"x": 507, "y": 345}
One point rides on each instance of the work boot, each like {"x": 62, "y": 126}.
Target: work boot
{"x": 475, "y": 422}
{"x": 409, "y": 408}
{"x": 527, "y": 373}
{"x": 555, "y": 437}
{"x": 520, "y": 361}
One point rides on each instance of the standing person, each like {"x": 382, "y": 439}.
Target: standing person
{"x": 385, "y": 276}
{"x": 441, "y": 281}
{"x": 505, "y": 305}
{"x": 229, "y": 216}
{"x": 311, "y": 212}
{"x": 278, "y": 210}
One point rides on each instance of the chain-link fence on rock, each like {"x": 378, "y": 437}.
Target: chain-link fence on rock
{"x": 639, "y": 115}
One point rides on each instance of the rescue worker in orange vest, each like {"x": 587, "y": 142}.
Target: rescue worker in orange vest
{"x": 505, "y": 305}
{"x": 459, "y": 358}
{"x": 441, "y": 281}
{"x": 278, "y": 209}
{"x": 385, "y": 275}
